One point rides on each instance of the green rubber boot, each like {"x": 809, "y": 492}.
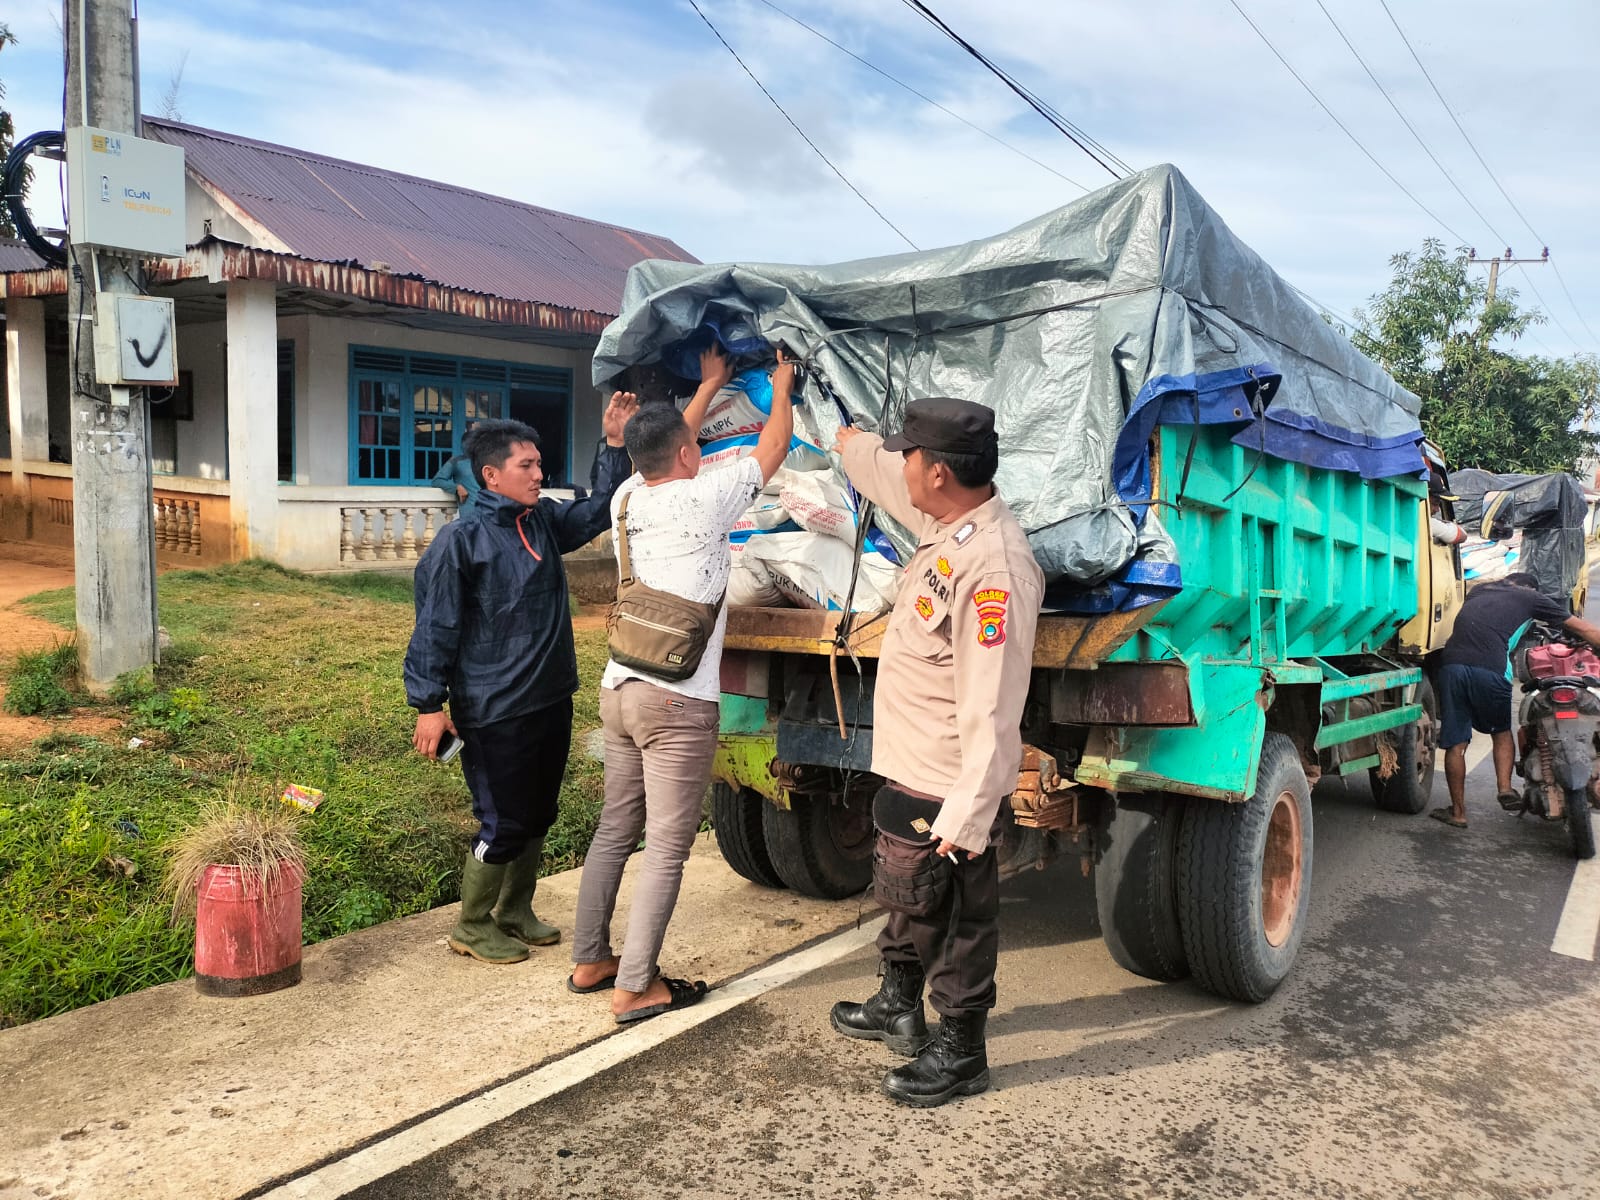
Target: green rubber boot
{"x": 475, "y": 933}
{"x": 514, "y": 913}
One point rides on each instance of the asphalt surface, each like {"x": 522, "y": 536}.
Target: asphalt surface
{"x": 1428, "y": 1043}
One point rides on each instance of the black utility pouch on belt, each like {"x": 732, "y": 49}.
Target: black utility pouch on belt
{"x": 907, "y": 876}
{"x": 653, "y": 631}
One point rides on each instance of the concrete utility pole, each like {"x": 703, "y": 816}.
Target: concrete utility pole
{"x": 112, "y": 522}
{"x": 1494, "y": 267}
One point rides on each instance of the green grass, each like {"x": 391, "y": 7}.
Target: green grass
{"x": 273, "y": 678}
{"x": 38, "y": 683}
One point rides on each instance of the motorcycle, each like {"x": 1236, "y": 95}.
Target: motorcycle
{"x": 1558, "y": 737}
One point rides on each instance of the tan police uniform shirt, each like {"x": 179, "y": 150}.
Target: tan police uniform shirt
{"x": 957, "y": 655}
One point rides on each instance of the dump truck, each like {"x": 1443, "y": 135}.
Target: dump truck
{"x": 1230, "y": 504}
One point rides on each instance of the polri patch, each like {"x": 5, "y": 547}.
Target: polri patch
{"x": 924, "y": 607}
{"x": 966, "y": 531}
{"x": 991, "y": 605}
{"x": 943, "y": 566}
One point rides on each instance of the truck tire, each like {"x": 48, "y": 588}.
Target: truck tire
{"x": 1410, "y": 786}
{"x": 1244, "y": 880}
{"x": 1136, "y": 885}
{"x": 1580, "y": 822}
{"x": 820, "y": 848}
{"x": 737, "y": 821}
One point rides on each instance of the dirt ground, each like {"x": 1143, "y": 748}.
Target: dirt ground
{"x": 25, "y": 570}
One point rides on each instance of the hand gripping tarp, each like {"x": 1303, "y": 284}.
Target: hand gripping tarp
{"x": 1083, "y": 329}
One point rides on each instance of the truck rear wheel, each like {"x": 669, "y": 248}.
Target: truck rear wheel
{"x": 1244, "y": 880}
{"x": 737, "y": 821}
{"x": 1410, "y": 785}
{"x": 1136, "y": 882}
{"x": 821, "y": 848}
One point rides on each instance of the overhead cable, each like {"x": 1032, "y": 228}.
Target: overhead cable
{"x": 815, "y": 148}
{"x": 1426, "y": 149}
{"x": 923, "y": 96}
{"x": 1437, "y": 220}
{"x": 1487, "y": 170}
{"x": 1101, "y": 155}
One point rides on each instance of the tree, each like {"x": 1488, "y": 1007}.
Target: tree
{"x": 7, "y": 133}
{"x": 1436, "y": 331}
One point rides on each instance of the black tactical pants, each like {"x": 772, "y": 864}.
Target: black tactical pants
{"x": 958, "y": 943}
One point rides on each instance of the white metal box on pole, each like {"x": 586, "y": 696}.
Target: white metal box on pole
{"x": 126, "y": 193}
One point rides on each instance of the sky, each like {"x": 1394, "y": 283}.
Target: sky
{"x": 632, "y": 112}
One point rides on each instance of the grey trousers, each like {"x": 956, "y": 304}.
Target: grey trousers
{"x": 659, "y": 747}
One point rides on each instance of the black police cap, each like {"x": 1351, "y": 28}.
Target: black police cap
{"x": 943, "y": 423}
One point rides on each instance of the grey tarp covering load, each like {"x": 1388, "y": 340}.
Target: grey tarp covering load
{"x": 1082, "y": 329}
{"x": 1548, "y": 509}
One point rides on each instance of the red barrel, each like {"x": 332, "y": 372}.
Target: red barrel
{"x": 246, "y": 936}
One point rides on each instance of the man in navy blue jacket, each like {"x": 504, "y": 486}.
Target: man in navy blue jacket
{"x": 493, "y": 640}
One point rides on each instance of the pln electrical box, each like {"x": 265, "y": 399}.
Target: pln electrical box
{"x": 126, "y": 193}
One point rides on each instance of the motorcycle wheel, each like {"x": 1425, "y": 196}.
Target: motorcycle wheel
{"x": 1579, "y": 822}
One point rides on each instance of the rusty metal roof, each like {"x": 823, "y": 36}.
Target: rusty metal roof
{"x": 342, "y": 212}
{"x": 16, "y": 256}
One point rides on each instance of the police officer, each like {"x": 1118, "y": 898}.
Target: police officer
{"x": 952, "y": 678}
{"x": 493, "y": 640}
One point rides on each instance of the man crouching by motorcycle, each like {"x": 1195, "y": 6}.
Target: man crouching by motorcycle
{"x": 1475, "y": 680}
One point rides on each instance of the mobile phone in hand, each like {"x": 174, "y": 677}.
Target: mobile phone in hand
{"x": 449, "y": 746}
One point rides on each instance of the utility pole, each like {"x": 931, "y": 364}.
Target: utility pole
{"x": 1494, "y": 267}
{"x": 112, "y": 523}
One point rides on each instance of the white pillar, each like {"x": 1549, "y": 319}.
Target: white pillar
{"x": 253, "y": 417}
{"x": 28, "y": 408}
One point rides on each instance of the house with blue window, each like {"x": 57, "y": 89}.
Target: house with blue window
{"x": 340, "y": 328}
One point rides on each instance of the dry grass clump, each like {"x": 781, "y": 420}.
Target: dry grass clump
{"x": 261, "y": 842}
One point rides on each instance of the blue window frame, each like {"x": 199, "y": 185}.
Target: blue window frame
{"x": 408, "y": 412}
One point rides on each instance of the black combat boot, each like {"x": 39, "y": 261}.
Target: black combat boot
{"x": 956, "y": 1063}
{"x": 893, "y": 1016}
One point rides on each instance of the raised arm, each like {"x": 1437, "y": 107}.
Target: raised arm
{"x": 715, "y": 371}
{"x": 878, "y": 474}
{"x": 578, "y": 522}
{"x": 772, "y": 447}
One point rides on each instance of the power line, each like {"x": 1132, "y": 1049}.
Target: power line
{"x": 922, "y": 96}
{"x": 1404, "y": 121}
{"x": 815, "y": 148}
{"x": 1102, "y": 156}
{"x": 1488, "y": 171}
{"x": 1351, "y": 322}
{"x": 1548, "y": 311}
{"x": 1437, "y": 220}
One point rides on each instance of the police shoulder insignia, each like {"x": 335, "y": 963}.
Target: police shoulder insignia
{"x": 943, "y": 566}
{"x": 991, "y": 605}
{"x": 966, "y": 531}
{"x": 924, "y": 607}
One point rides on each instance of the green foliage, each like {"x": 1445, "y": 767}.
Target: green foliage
{"x": 300, "y": 755}
{"x": 133, "y": 686}
{"x": 38, "y": 683}
{"x": 1436, "y": 331}
{"x": 173, "y": 713}
{"x": 273, "y": 678}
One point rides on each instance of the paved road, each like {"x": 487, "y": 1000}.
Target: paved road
{"x": 1429, "y": 1043}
